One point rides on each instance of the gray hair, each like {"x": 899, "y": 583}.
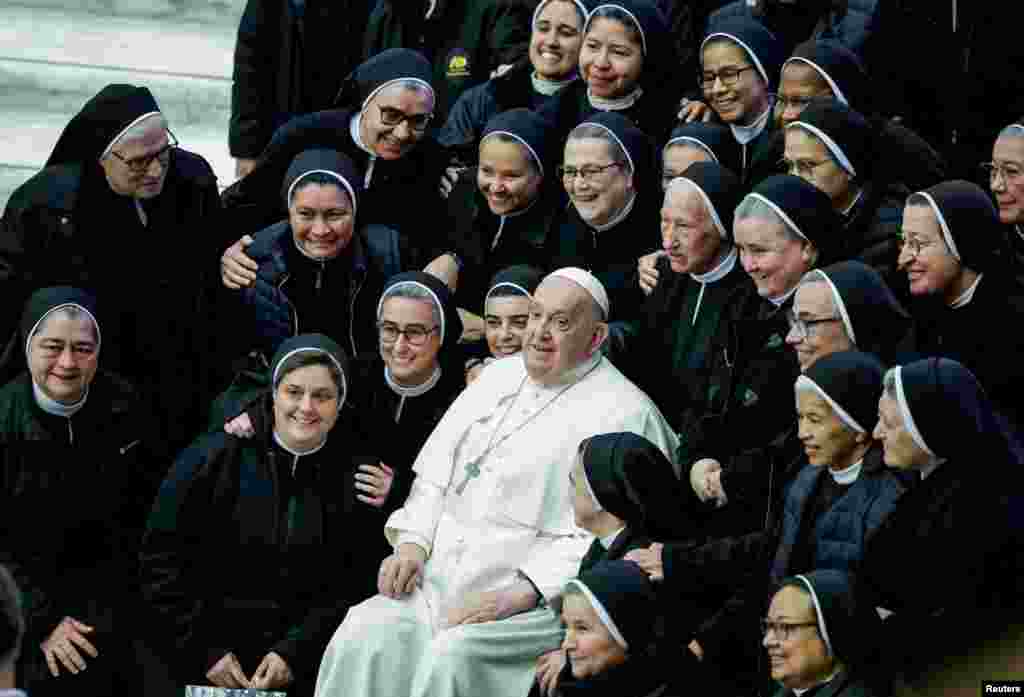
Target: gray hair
{"x": 12, "y": 621}
{"x": 615, "y": 149}
{"x": 752, "y": 207}
{"x": 413, "y": 291}
{"x": 139, "y": 130}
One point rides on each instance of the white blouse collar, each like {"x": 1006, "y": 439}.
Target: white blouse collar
{"x": 296, "y": 453}
{"x": 745, "y": 134}
{"x": 723, "y": 269}
{"x": 357, "y": 138}
{"x": 618, "y": 104}
{"x": 53, "y": 407}
{"x": 608, "y": 540}
{"x": 617, "y": 218}
{"x": 549, "y": 88}
{"x": 415, "y": 390}
{"x": 967, "y": 296}
{"x": 849, "y": 475}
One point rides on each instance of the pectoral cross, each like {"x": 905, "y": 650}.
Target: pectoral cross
{"x": 472, "y": 472}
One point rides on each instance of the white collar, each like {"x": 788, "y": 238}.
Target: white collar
{"x": 431, "y": 6}
{"x": 618, "y": 104}
{"x": 53, "y": 407}
{"x": 853, "y": 204}
{"x": 778, "y": 302}
{"x": 549, "y": 88}
{"x": 849, "y": 475}
{"x": 573, "y": 376}
{"x": 415, "y": 390}
{"x": 1020, "y": 231}
{"x": 723, "y": 269}
{"x": 293, "y": 451}
{"x": 800, "y": 690}
{"x": 357, "y": 138}
{"x": 927, "y": 470}
{"x": 608, "y": 540}
{"x": 968, "y": 295}
{"x": 745, "y": 134}
{"x": 617, "y": 218}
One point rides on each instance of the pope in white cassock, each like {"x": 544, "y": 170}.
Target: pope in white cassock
{"x": 486, "y": 537}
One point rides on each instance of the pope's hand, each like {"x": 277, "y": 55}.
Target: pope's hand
{"x": 479, "y": 607}
{"x": 400, "y": 573}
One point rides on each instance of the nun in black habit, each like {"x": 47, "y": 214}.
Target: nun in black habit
{"x": 826, "y": 68}
{"x": 650, "y": 98}
{"x": 400, "y": 186}
{"x": 67, "y": 225}
{"x": 506, "y": 315}
{"x": 698, "y": 142}
{"x": 612, "y": 219}
{"x": 507, "y": 207}
{"x": 679, "y": 319}
{"x": 962, "y": 289}
{"x": 944, "y": 568}
{"x": 77, "y": 470}
{"x": 835, "y": 148}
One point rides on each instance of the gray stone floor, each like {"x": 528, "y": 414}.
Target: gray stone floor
{"x": 55, "y": 54}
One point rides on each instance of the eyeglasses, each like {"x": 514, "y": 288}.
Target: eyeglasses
{"x": 783, "y": 630}
{"x": 415, "y": 334}
{"x": 915, "y": 245}
{"x": 1011, "y": 172}
{"x": 782, "y": 102}
{"x": 801, "y": 168}
{"x": 390, "y": 116}
{"x": 803, "y": 328}
{"x": 587, "y": 172}
{"x": 728, "y": 76}
{"x": 140, "y": 165}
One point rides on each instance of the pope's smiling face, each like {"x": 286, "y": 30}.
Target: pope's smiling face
{"x": 563, "y": 331}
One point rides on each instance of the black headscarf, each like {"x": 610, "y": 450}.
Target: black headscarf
{"x": 843, "y": 623}
{"x": 714, "y": 138}
{"x": 722, "y": 192}
{"x": 969, "y": 222}
{"x": 760, "y": 45}
{"x": 100, "y": 121}
{"x": 839, "y": 67}
{"x": 387, "y": 66}
{"x": 952, "y": 414}
{"x": 531, "y": 131}
{"x": 872, "y": 316}
{"x": 656, "y": 39}
{"x": 845, "y": 133}
{"x": 625, "y": 599}
{"x": 635, "y": 142}
{"x": 451, "y": 323}
{"x": 851, "y": 382}
{"x": 807, "y": 209}
{"x": 329, "y": 162}
{"x": 46, "y": 300}
{"x": 313, "y": 343}
{"x": 634, "y": 481}
{"x": 518, "y": 280}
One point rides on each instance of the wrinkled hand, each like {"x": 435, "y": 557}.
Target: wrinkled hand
{"x": 691, "y": 110}
{"x": 240, "y": 426}
{"x": 549, "y": 666}
{"x": 375, "y": 483}
{"x": 63, "y": 644}
{"x": 236, "y": 269}
{"x": 699, "y": 477}
{"x": 444, "y": 268}
{"x": 227, "y": 672}
{"x": 400, "y": 573}
{"x": 650, "y": 560}
{"x": 273, "y": 673}
{"x": 449, "y": 177}
{"x": 478, "y": 607}
{"x": 244, "y": 165}
{"x": 648, "y": 272}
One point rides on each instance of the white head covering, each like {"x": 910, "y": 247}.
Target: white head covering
{"x": 588, "y": 282}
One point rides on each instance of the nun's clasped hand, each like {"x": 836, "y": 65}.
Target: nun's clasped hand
{"x": 63, "y": 645}
{"x": 375, "y": 482}
{"x": 401, "y": 572}
{"x": 273, "y": 673}
{"x": 650, "y": 560}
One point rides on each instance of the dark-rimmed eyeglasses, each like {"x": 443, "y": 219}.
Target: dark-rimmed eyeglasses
{"x": 783, "y": 630}
{"x": 801, "y": 168}
{"x": 803, "y": 328}
{"x": 587, "y": 172}
{"x": 1010, "y": 172}
{"x": 390, "y": 116}
{"x": 415, "y": 334}
{"x": 728, "y": 76}
{"x": 140, "y": 165}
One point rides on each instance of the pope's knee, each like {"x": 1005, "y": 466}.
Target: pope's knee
{"x": 452, "y": 646}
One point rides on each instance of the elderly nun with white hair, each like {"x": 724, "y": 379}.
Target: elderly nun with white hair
{"x": 486, "y": 536}
{"x": 121, "y": 211}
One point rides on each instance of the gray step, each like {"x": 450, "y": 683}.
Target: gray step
{"x": 224, "y": 12}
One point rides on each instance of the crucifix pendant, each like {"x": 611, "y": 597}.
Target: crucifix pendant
{"x": 472, "y": 471}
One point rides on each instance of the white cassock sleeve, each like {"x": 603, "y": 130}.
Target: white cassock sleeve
{"x": 417, "y": 520}
{"x": 555, "y": 559}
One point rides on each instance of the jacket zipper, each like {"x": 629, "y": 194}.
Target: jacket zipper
{"x": 320, "y": 276}
{"x": 352, "y": 315}
{"x": 295, "y": 312}
{"x": 71, "y": 433}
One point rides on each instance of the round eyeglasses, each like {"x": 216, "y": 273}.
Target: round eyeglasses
{"x": 140, "y": 165}
{"x": 415, "y": 334}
